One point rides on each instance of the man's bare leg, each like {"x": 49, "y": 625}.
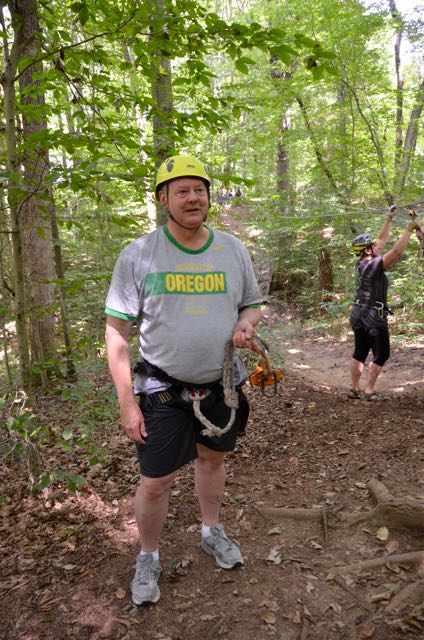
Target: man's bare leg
{"x": 151, "y": 508}
{"x": 209, "y": 477}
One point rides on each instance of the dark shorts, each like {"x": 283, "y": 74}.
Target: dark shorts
{"x": 376, "y": 340}
{"x": 173, "y": 431}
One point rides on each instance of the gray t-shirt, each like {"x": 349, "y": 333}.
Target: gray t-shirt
{"x": 186, "y": 302}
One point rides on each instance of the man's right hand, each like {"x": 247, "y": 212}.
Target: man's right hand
{"x": 133, "y": 422}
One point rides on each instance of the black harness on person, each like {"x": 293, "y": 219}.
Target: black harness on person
{"x": 370, "y": 303}
{"x": 150, "y": 370}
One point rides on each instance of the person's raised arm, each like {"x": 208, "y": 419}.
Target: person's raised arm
{"x": 117, "y": 332}
{"x": 384, "y": 235}
{"x": 400, "y": 245}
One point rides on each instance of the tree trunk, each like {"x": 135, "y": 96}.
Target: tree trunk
{"x": 71, "y": 373}
{"x": 410, "y": 140}
{"x": 14, "y": 196}
{"x": 283, "y": 164}
{"x": 320, "y": 156}
{"x": 39, "y": 265}
{"x": 399, "y": 85}
{"x": 325, "y": 274}
{"x": 162, "y": 94}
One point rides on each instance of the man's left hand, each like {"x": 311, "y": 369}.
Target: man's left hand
{"x": 242, "y": 335}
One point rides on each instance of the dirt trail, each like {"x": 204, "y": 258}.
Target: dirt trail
{"x": 326, "y": 363}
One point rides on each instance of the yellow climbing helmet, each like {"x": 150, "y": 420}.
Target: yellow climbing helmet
{"x": 182, "y": 166}
{"x": 362, "y": 242}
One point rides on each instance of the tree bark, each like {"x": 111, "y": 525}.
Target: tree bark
{"x": 14, "y": 196}
{"x": 162, "y": 94}
{"x": 39, "y": 264}
{"x": 410, "y": 140}
{"x": 399, "y": 84}
{"x": 319, "y": 155}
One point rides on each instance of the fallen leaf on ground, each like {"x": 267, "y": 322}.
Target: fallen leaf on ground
{"x": 366, "y": 631}
{"x": 269, "y": 617}
{"x": 274, "y": 531}
{"x": 383, "y": 534}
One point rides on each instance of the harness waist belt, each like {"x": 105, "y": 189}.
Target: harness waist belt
{"x": 381, "y": 307}
{"x": 152, "y": 371}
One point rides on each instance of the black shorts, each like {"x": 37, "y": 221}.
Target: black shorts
{"x": 173, "y": 431}
{"x": 377, "y": 340}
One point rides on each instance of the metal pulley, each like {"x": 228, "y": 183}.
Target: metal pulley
{"x": 264, "y": 376}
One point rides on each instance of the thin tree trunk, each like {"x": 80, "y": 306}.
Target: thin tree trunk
{"x": 162, "y": 94}
{"x": 71, "y": 373}
{"x": 399, "y": 85}
{"x": 382, "y": 173}
{"x": 410, "y": 140}
{"x": 283, "y": 164}
{"x": 319, "y": 155}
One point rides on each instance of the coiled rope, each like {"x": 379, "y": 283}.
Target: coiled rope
{"x": 231, "y": 397}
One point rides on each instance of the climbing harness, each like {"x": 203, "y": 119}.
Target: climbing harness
{"x": 381, "y": 308}
{"x": 265, "y": 376}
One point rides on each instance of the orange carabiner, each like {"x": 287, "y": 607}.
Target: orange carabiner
{"x": 264, "y": 375}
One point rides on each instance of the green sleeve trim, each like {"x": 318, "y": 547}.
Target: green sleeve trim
{"x": 251, "y": 306}
{"x": 117, "y": 314}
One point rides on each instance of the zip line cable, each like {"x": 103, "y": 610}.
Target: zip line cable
{"x": 359, "y": 212}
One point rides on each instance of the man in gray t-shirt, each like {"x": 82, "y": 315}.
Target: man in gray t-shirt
{"x": 191, "y": 290}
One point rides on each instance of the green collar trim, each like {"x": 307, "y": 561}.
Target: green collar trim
{"x": 192, "y": 251}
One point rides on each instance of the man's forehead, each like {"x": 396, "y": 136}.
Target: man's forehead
{"x": 186, "y": 182}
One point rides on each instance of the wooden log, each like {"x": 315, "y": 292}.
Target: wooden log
{"x": 412, "y": 594}
{"x": 413, "y": 557}
{"x": 389, "y": 511}
{"x": 281, "y": 513}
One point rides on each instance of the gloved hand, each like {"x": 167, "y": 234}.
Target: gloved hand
{"x": 414, "y": 224}
{"x": 392, "y": 212}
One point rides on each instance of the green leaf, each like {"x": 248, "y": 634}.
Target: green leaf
{"x": 243, "y": 68}
{"x": 284, "y": 52}
{"x": 317, "y": 72}
{"x": 305, "y": 41}
{"x": 332, "y": 71}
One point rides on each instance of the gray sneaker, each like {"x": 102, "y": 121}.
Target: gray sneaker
{"x": 227, "y": 554}
{"x": 144, "y": 587}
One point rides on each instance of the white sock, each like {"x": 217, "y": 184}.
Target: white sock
{"x": 155, "y": 553}
{"x": 206, "y": 530}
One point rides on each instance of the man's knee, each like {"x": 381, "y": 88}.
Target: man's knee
{"x": 155, "y": 488}
{"x": 208, "y": 459}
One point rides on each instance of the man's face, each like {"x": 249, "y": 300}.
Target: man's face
{"x": 187, "y": 200}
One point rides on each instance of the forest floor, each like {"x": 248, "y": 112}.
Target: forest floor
{"x": 67, "y": 558}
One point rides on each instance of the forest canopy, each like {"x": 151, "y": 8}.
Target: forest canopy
{"x": 308, "y": 115}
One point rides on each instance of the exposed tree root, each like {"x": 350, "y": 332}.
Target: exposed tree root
{"x": 412, "y": 594}
{"x": 414, "y": 557}
{"x": 390, "y": 511}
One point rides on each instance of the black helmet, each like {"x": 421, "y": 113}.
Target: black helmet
{"x": 362, "y": 242}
